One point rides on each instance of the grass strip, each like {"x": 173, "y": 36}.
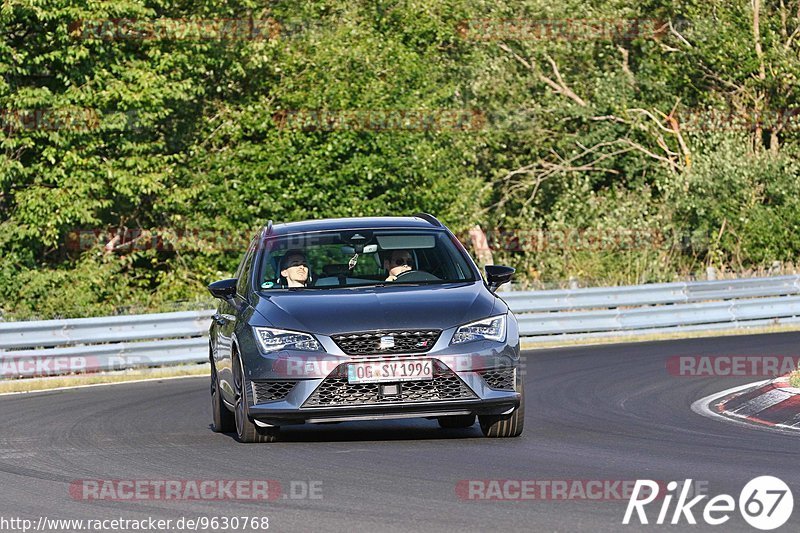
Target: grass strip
{"x": 74, "y": 380}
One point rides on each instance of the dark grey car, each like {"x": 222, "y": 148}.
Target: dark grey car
{"x": 356, "y": 340}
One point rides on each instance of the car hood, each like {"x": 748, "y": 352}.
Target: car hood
{"x": 332, "y": 311}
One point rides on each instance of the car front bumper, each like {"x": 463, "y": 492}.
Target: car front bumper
{"x": 319, "y": 393}
{"x": 334, "y": 399}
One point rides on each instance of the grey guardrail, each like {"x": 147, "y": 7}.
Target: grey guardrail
{"x": 104, "y": 343}
{"x": 54, "y": 347}
{"x": 103, "y": 329}
{"x": 568, "y": 314}
{"x": 652, "y": 294}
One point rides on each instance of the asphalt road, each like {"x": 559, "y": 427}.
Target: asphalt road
{"x": 592, "y": 413}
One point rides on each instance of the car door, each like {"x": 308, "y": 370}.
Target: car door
{"x": 228, "y": 314}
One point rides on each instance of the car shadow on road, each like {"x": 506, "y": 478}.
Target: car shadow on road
{"x": 373, "y": 431}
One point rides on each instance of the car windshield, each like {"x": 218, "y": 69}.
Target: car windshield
{"x": 326, "y": 260}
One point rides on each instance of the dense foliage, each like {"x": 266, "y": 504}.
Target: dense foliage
{"x": 634, "y": 142}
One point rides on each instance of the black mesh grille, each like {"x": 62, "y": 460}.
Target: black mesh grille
{"x": 402, "y": 341}
{"x": 335, "y": 390}
{"x": 265, "y": 391}
{"x": 499, "y": 379}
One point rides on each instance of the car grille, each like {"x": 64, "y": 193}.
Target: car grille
{"x": 335, "y": 390}
{"x": 402, "y": 341}
{"x": 267, "y": 391}
{"x": 499, "y": 379}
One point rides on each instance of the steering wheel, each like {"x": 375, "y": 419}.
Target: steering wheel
{"x": 415, "y": 275}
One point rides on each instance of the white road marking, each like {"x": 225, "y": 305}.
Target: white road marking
{"x": 101, "y": 384}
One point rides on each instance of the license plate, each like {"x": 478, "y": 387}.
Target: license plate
{"x": 382, "y": 371}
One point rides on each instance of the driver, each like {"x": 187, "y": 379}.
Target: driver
{"x": 294, "y": 269}
{"x": 397, "y": 262}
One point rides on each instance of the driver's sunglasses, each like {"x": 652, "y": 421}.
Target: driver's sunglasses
{"x": 401, "y": 261}
{"x": 297, "y": 264}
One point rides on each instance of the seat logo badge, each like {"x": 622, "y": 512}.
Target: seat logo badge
{"x": 387, "y": 342}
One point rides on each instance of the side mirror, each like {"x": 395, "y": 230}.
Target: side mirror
{"x": 496, "y": 275}
{"x": 223, "y": 289}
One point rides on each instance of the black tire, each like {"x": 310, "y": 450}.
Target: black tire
{"x": 456, "y": 422}
{"x": 246, "y": 430}
{"x": 503, "y": 426}
{"x": 222, "y": 420}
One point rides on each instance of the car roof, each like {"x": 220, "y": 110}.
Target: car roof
{"x": 355, "y": 223}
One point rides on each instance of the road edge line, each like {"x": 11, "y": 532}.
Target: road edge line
{"x": 71, "y": 387}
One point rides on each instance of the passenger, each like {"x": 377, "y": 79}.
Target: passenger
{"x": 398, "y": 262}
{"x": 294, "y": 269}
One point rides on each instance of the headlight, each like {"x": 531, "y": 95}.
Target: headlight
{"x": 272, "y": 340}
{"x": 490, "y": 329}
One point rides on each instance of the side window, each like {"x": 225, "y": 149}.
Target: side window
{"x": 244, "y": 270}
{"x": 238, "y": 274}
